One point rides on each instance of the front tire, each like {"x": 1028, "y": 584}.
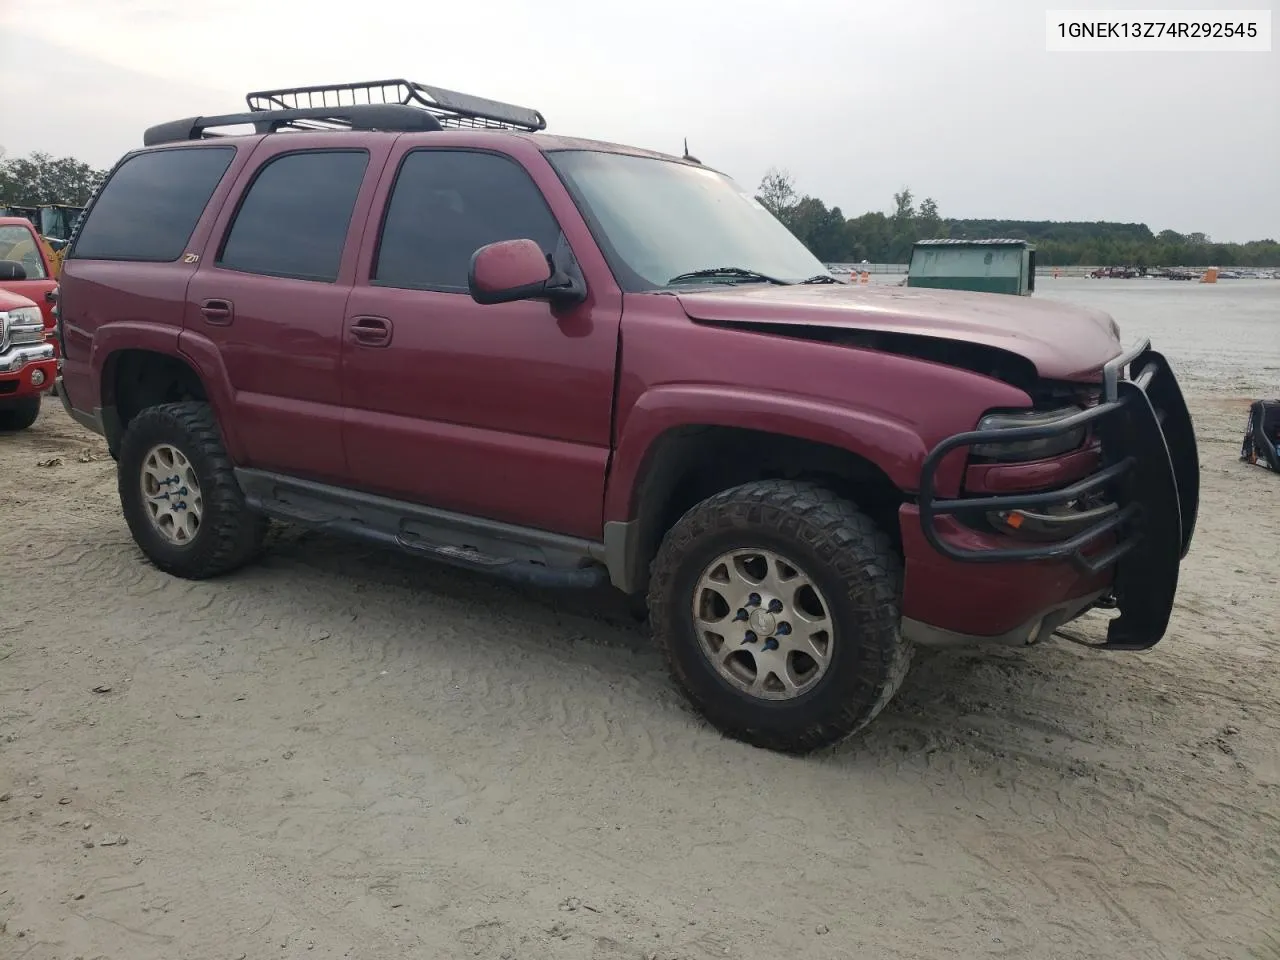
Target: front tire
{"x": 776, "y": 605}
{"x": 180, "y": 496}
{"x": 19, "y": 414}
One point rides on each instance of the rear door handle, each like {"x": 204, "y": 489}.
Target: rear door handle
{"x": 218, "y": 312}
{"x": 371, "y": 331}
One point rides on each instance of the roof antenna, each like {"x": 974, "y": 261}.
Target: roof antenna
{"x": 686, "y": 156}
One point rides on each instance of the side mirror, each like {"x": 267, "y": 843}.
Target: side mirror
{"x": 511, "y": 270}
{"x": 12, "y": 270}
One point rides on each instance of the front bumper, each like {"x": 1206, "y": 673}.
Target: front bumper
{"x": 1036, "y": 628}
{"x": 1150, "y": 470}
{"x": 949, "y": 602}
{"x": 20, "y": 368}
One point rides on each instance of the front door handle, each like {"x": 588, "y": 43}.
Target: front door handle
{"x": 371, "y": 331}
{"x": 219, "y": 312}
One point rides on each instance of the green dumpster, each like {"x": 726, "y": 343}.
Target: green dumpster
{"x": 987, "y": 266}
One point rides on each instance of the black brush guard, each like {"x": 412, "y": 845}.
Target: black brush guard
{"x": 1150, "y": 469}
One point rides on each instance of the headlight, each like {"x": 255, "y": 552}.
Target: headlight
{"x": 25, "y": 325}
{"x": 1038, "y": 449}
{"x": 24, "y": 316}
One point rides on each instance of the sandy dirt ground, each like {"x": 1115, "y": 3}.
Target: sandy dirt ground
{"x": 342, "y": 753}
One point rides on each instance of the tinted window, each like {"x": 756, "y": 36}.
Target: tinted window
{"x": 294, "y": 218}
{"x": 149, "y": 207}
{"x": 446, "y": 204}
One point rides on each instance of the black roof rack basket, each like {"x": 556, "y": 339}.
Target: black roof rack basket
{"x": 450, "y": 108}
{"x": 399, "y": 105}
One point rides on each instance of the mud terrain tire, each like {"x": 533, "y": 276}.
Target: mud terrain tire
{"x": 854, "y": 569}
{"x": 229, "y": 535}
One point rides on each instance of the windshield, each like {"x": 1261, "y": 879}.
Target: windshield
{"x": 17, "y": 243}
{"x": 657, "y": 220}
{"x": 57, "y": 222}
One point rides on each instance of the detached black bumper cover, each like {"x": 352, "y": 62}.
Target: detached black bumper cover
{"x": 1151, "y": 470}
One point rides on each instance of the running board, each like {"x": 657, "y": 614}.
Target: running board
{"x": 520, "y": 554}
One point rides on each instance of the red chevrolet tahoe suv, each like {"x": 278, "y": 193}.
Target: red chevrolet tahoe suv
{"x": 425, "y": 323}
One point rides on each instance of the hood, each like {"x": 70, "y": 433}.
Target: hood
{"x": 11, "y": 301}
{"x": 1062, "y": 341}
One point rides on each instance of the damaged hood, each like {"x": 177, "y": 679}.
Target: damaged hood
{"x": 1062, "y": 341}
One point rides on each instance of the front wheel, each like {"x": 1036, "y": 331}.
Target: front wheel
{"x": 776, "y": 605}
{"x": 180, "y": 496}
{"x": 19, "y": 414}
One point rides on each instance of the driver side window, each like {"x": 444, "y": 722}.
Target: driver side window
{"x": 445, "y": 205}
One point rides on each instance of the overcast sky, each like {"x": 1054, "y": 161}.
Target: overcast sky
{"x": 957, "y": 99}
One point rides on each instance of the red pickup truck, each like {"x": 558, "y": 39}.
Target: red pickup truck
{"x": 28, "y": 355}
{"x": 24, "y": 266}
{"x": 426, "y": 323}
{"x": 27, "y": 364}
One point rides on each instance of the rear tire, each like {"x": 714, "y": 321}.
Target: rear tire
{"x": 19, "y": 414}
{"x": 194, "y": 523}
{"x": 798, "y": 557}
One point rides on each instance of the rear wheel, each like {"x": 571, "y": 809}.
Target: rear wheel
{"x": 180, "y": 496}
{"x": 776, "y": 605}
{"x": 19, "y": 414}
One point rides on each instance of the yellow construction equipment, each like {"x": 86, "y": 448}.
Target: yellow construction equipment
{"x": 55, "y": 223}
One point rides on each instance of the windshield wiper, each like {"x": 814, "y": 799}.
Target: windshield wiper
{"x": 821, "y": 278}
{"x": 738, "y": 272}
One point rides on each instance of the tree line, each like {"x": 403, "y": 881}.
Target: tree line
{"x": 887, "y": 237}
{"x": 833, "y": 238}
{"x": 41, "y": 178}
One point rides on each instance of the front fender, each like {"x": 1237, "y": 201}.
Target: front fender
{"x": 892, "y": 445}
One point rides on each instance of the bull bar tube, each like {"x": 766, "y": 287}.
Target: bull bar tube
{"x": 1150, "y": 470}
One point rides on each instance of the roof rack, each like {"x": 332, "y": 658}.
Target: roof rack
{"x": 365, "y": 117}
{"x": 397, "y": 105}
{"x": 450, "y": 108}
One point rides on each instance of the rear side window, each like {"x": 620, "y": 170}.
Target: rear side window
{"x": 445, "y": 205}
{"x": 294, "y": 217}
{"x": 149, "y": 207}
